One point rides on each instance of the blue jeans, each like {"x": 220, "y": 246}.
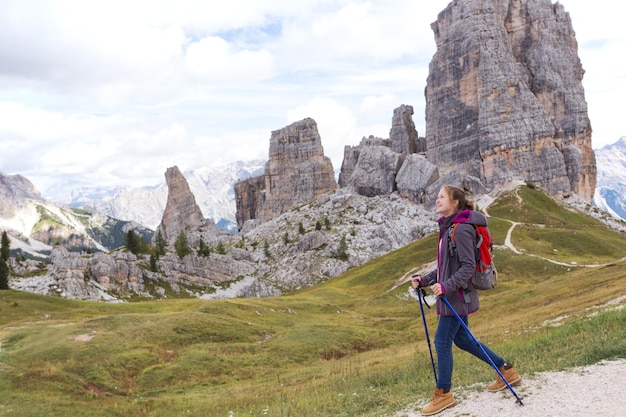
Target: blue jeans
{"x": 450, "y": 330}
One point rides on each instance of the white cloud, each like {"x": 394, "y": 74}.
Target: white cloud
{"x": 601, "y": 45}
{"x": 214, "y": 61}
{"x": 372, "y": 33}
{"x": 117, "y": 91}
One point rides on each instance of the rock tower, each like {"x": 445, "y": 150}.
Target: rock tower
{"x": 296, "y": 173}
{"x": 182, "y": 213}
{"x": 504, "y": 97}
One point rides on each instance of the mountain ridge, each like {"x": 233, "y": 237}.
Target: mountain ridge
{"x": 610, "y": 193}
{"x": 493, "y": 123}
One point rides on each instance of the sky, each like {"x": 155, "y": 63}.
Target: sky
{"x": 112, "y": 93}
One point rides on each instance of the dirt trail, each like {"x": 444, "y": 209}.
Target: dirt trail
{"x": 509, "y": 245}
{"x": 595, "y": 390}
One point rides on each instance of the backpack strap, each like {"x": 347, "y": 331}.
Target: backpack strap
{"x": 453, "y": 252}
{"x": 452, "y": 239}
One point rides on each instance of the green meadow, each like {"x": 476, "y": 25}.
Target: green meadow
{"x": 352, "y": 346}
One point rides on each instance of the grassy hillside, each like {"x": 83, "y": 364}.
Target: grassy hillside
{"x": 353, "y": 346}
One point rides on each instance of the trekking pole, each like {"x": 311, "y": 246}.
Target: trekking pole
{"x": 519, "y": 400}
{"x": 420, "y": 293}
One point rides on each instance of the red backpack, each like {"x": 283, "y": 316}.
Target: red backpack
{"x": 485, "y": 276}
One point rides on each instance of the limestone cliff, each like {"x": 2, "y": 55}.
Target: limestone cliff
{"x": 296, "y": 173}
{"x": 504, "y": 97}
{"x": 248, "y": 194}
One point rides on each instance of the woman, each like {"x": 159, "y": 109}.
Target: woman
{"x": 451, "y": 279}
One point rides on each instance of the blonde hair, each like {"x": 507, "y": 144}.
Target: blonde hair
{"x": 457, "y": 194}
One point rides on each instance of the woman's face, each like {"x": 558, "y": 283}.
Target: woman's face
{"x": 445, "y": 205}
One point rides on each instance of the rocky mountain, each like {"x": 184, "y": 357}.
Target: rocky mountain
{"x": 505, "y": 100}
{"x": 610, "y": 193}
{"x": 339, "y": 230}
{"x": 122, "y": 203}
{"x": 36, "y": 225}
{"x": 317, "y": 236}
{"x": 505, "y": 106}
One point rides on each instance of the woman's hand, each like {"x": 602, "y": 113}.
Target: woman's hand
{"x": 437, "y": 289}
{"x": 416, "y": 281}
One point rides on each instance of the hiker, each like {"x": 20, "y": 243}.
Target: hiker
{"x": 451, "y": 279}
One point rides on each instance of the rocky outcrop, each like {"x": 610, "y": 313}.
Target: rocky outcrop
{"x": 417, "y": 179}
{"x": 351, "y": 156}
{"x": 382, "y": 166}
{"x": 370, "y": 227}
{"x": 296, "y": 173}
{"x": 86, "y": 277}
{"x": 403, "y": 135}
{"x": 273, "y": 258}
{"x": 181, "y": 211}
{"x": 201, "y": 271}
{"x": 119, "y": 275}
{"x": 248, "y": 194}
{"x": 504, "y": 97}
{"x": 375, "y": 171}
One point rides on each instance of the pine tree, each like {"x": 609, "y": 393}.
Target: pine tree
{"x": 301, "y": 228}
{"x": 4, "y": 275}
{"x": 181, "y": 245}
{"x": 5, "y": 247}
{"x": 204, "y": 249}
{"x": 132, "y": 242}
{"x": 5, "y": 251}
{"x": 161, "y": 244}
{"x": 343, "y": 249}
{"x": 153, "y": 263}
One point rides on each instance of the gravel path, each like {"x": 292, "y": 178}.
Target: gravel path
{"x": 596, "y": 390}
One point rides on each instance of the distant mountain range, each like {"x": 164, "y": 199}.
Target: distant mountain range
{"x": 212, "y": 188}
{"x": 117, "y": 209}
{"x": 35, "y": 225}
{"x": 610, "y": 194}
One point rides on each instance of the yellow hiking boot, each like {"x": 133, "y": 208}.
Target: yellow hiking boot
{"x": 510, "y": 374}
{"x": 439, "y": 402}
